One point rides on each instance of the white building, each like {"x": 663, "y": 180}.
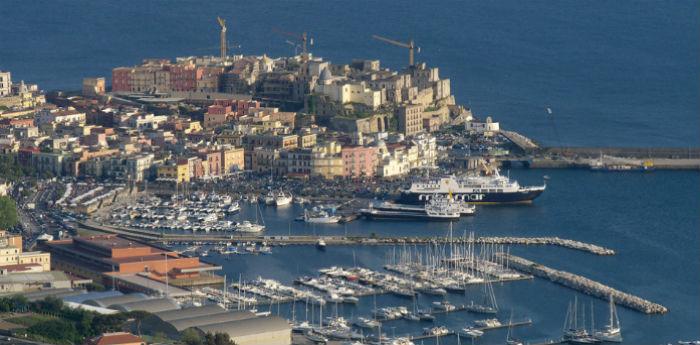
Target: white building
{"x": 487, "y": 129}
{"x": 5, "y": 83}
{"x": 147, "y": 121}
{"x": 344, "y": 91}
{"x": 60, "y": 116}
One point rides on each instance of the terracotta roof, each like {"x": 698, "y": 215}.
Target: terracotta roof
{"x": 115, "y": 339}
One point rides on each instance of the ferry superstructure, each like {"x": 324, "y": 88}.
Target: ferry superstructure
{"x": 492, "y": 189}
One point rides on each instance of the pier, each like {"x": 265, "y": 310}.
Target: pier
{"x": 221, "y": 238}
{"x": 585, "y": 285}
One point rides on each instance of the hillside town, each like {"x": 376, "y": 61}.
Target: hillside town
{"x": 206, "y": 117}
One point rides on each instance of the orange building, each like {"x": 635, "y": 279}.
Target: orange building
{"x": 105, "y": 256}
{"x": 116, "y": 338}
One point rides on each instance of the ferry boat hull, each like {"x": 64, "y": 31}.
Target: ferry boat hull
{"x": 519, "y": 197}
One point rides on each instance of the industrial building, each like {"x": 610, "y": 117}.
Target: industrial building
{"x": 244, "y": 327}
{"x": 130, "y": 265}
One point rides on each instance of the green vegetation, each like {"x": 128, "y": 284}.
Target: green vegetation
{"x": 8, "y": 213}
{"x": 191, "y": 337}
{"x": 11, "y": 170}
{"x": 54, "y": 323}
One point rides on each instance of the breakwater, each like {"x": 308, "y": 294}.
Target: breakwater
{"x": 215, "y": 238}
{"x": 585, "y": 285}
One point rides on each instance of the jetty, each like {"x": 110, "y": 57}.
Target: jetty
{"x": 227, "y": 237}
{"x": 584, "y": 285}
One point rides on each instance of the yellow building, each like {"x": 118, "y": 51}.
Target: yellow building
{"x": 14, "y": 260}
{"x": 326, "y": 160}
{"x": 179, "y": 172}
{"x": 232, "y": 159}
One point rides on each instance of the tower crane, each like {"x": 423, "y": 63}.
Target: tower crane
{"x": 410, "y": 46}
{"x": 303, "y": 38}
{"x": 224, "y": 49}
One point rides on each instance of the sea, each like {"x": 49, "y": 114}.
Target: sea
{"x": 614, "y": 73}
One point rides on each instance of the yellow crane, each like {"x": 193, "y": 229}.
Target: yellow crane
{"x": 224, "y": 49}
{"x": 303, "y": 38}
{"x": 410, "y": 46}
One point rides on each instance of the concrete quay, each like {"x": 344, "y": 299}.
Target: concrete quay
{"x": 585, "y": 285}
{"x": 216, "y": 238}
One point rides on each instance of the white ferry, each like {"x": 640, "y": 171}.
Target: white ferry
{"x": 493, "y": 189}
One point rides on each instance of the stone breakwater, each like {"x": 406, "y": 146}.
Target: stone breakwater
{"x": 562, "y": 242}
{"x": 585, "y": 285}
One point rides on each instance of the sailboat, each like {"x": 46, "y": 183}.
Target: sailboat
{"x": 249, "y": 227}
{"x": 572, "y": 333}
{"x": 510, "y": 340}
{"x": 489, "y": 305}
{"x": 612, "y": 331}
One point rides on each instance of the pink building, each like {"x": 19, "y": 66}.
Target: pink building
{"x": 359, "y": 161}
{"x": 121, "y": 79}
{"x": 183, "y": 78}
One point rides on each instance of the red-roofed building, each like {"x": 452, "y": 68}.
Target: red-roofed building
{"x": 116, "y": 338}
{"x": 101, "y": 257}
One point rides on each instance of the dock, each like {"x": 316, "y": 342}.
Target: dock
{"x": 585, "y": 285}
{"x": 223, "y": 238}
{"x": 527, "y": 322}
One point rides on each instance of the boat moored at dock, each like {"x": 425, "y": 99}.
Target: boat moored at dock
{"x": 474, "y": 189}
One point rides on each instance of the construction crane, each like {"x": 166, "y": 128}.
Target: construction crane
{"x": 410, "y": 46}
{"x": 303, "y": 37}
{"x": 224, "y": 50}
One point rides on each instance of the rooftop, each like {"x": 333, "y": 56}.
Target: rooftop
{"x": 115, "y": 339}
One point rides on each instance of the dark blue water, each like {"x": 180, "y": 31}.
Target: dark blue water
{"x": 650, "y": 220}
{"x": 622, "y": 73}
{"x": 615, "y": 73}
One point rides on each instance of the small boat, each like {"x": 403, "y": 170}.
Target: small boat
{"x": 321, "y": 244}
{"x": 488, "y": 323}
{"x": 302, "y": 327}
{"x": 426, "y": 316}
{"x": 233, "y": 208}
{"x": 283, "y": 199}
{"x": 315, "y": 337}
{"x": 351, "y": 299}
{"x": 364, "y": 322}
{"x": 270, "y": 198}
{"x": 472, "y": 332}
{"x": 412, "y": 317}
{"x": 443, "y": 306}
{"x": 248, "y": 227}
{"x": 436, "y": 331}
{"x": 320, "y": 217}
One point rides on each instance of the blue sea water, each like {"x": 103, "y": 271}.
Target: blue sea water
{"x": 650, "y": 220}
{"x": 615, "y": 73}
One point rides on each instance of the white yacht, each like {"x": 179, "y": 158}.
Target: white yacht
{"x": 283, "y": 199}
{"x": 472, "y": 332}
{"x": 320, "y": 217}
{"x": 491, "y": 189}
{"x": 248, "y": 227}
{"x": 270, "y": 198}
{"x": 488, "y": 323}
{"x": 612, "y": 331}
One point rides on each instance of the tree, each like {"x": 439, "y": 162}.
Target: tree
{"x": 218, "y": 339}
{"x": 8, "y": 213}
{"x": 191, "y": 337}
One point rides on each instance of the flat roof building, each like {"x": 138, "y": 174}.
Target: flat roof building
{"x": 132, "y": 265}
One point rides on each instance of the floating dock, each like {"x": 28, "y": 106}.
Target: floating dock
{"x": 585, "y": 285}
